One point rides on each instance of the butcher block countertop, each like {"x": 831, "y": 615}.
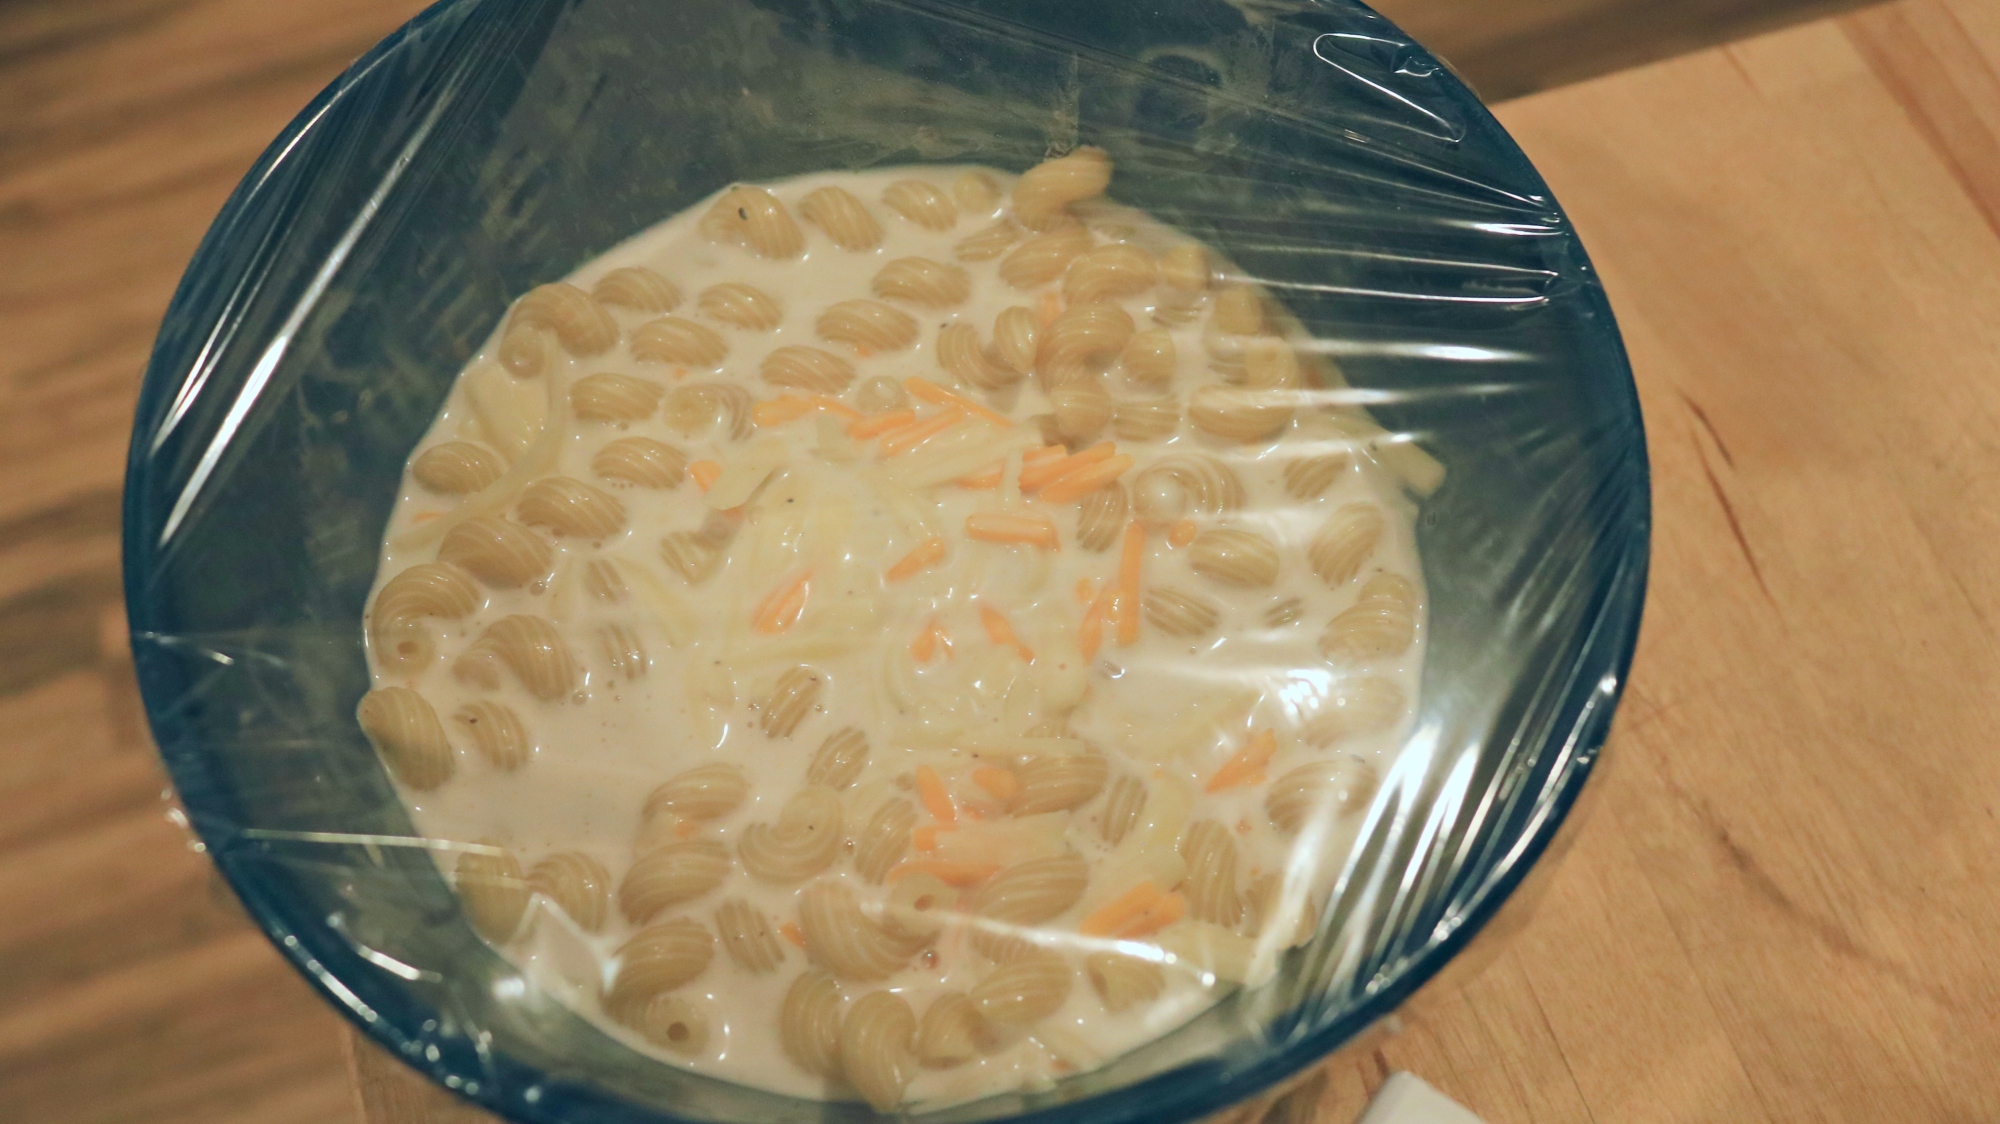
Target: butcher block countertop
{"x": 1783, "y": 901}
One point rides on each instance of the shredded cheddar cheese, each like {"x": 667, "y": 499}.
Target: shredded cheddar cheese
{"x": 1090, "y": 634}
{"x": 1002, "y": 633}
{"x": 910, "y": 436}
{"x": 936, "y": 800}
{"x": 881, "y": 423}
{"x": 1073, "y": 486}
{"x": 780, "y": 610}
{"x": 1129, "y": 560}
{"x": 928, "y": 391}
{"x": 1051, "y": 469}
{"x": 980, "y": 481}
{"x": 1159, "y": 915}
{"x": 1048, "y": 308}
{"x": 1000, "y": 783}
{"x": 929, "y": 553}
{"x": 932, "y": 640}
{"x": 1121, "y": 911}
{"x": 836, "y": 407}
{"x": 960, "y": 874}
{"x": 1026, "y": 530}
{"x": 778, "y": 411}
{"x": 1246, "y": 766}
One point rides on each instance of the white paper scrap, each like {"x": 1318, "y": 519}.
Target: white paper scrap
{"x": 1406, "y": 1099}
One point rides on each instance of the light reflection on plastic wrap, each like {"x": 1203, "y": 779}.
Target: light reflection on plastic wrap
{"x": 498, "y": 143}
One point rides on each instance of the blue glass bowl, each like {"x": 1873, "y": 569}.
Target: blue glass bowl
{"x": 495, "y": 144}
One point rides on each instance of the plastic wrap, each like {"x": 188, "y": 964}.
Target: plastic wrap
{"x": 494, "y": 146}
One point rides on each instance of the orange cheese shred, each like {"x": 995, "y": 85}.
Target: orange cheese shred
{"x": 910, "y": 436}
{"x": 793, "y": 933}
{"x": 1129, "y": 561}
{"x": 1002, "y": 633}
{"x": 936, "y": 800}
{"x": 881, "y": 423}
{"x": 1073, "y": 486}
{"x": 778, "y": 411}
{"x": 1121, "y": 910}
{"x": 1182, "y": 532}
{"x": 704, "y": 473}
{"x": 928, "y": 553}
{"x": 1028, "y": 530}
{"x": 1247, "y": 764}
{"x": 960, "y": 874}
{"x": 924, "y": 838}
{"x": 1048, "y": 470}
{"x": 1048, "y": 308}
{"x": 980, "y": 481}
{"x": 781, "y": 608}
{"x": 928, "y": 391}
{"x": 1090, "y": 634}
{"x": 1159, "y": 915}
{"x": 836, "y": 407}
{"x": 932, "y": 640}
{"x": 1002, "y": 784}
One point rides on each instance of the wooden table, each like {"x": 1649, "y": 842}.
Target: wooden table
{"x": 1782, "y": 907}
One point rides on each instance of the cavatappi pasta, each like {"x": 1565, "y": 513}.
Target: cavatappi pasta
{"x": 636, "y": 288}
{"x": 670, "y": 875}
{"x": 921, "y": 202}
{"x": 456, "y": 468}
{"x": 575, "y": 883}
{"x": 405, "y": 730}
{"x": 397, "y": 623}
{"x": 748, "y": 934}
{"x": 583, "y": 325}
{"x": 494, "y": 891}
{"x": 496, "y": 733}
{"x": 675, "y": 341}
{"x": 867, "y": 327}
{"x": 805, "y": 839}
{"x": 989, "y": 243}
{"x": 923, "y": 282}
{"x": 898, "y": 635}
{"x": 639, "y": 462}
{"x": 742, "y": 306}
{"x": 845, "y": 219}
{"x": 615, "y": 398}
{"x": 705, "y": 792}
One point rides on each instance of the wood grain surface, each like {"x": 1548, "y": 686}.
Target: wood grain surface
{"x": 1781, "y": 907}
{"x": 131, "y": 986}
{"x": 1508, "y": 48}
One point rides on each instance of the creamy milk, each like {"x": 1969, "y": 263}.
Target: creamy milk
{"x": 1168, "y": 710}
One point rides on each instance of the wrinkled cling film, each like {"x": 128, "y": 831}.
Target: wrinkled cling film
{"x": 494, "y": 146}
